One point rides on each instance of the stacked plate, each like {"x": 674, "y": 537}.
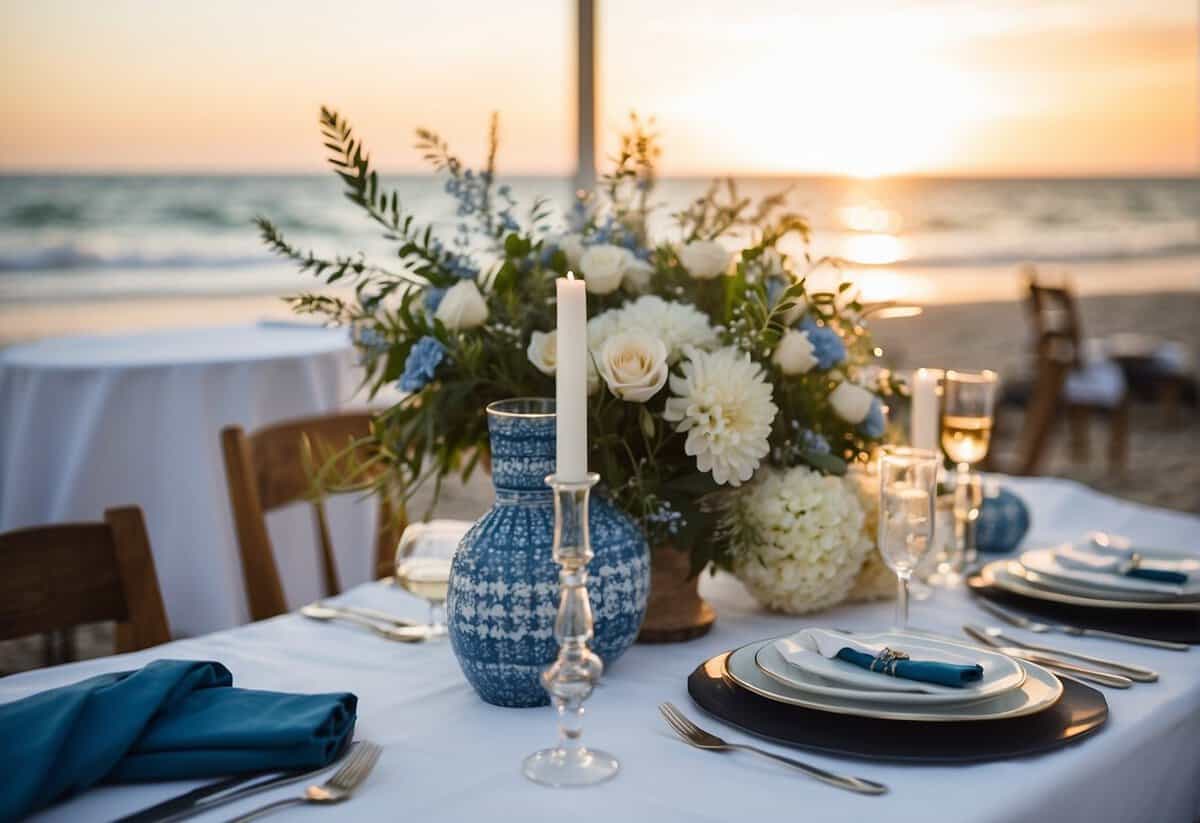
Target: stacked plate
{"x": 807, "y": 700}
{"x": 1008, "y": 688}
{"x": 1056, "y": 575}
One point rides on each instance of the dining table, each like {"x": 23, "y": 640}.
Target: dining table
{"x": 447, "y": 755}
{"x": 96, "y": 421}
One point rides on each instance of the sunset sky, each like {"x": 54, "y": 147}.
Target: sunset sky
{"x": 857, "y": 87}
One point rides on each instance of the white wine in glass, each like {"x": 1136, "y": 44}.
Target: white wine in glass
{"x": 423, "y": 561}
{"x": 966, "y": 438}
{"x": 968, "y": 407}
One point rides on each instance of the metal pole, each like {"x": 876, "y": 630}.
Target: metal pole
{"x": 585, "y": 96}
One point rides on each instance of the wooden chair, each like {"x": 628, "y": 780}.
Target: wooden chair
{"x": 53, "y": 578}
{"x": 266, "y": 470}
{"x": 1069, "y": 377}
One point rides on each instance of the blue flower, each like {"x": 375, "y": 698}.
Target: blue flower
{"x": 873, "y": 424}
{"x": 433, "y": 299}
{"x": 828, "y": 347}
{"x": 423, "y": 360}
{"x": 812, "y": 442}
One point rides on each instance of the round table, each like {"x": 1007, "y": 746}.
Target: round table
{"x": 87, "y": 423}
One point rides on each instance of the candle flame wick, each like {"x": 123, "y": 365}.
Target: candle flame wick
{"x": 570, "y": 274}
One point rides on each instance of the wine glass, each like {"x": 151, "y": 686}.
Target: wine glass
{"x": 968, "y": 407}
{"x": 907, "y": 497}
{"x": 423, "y": 566}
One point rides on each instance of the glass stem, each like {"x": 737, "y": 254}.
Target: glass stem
{"x": 902, "y": 600}
{"x": 962, "y": 512}
{"x": 437, "y": 616}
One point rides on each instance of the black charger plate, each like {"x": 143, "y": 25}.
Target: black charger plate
{"x": 1180, "y": 627}
{"x": 1079, "y": 712}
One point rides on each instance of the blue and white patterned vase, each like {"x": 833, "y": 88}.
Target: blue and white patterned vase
{"x": 1003, "y": 522}
{"x": 504, "y": 582}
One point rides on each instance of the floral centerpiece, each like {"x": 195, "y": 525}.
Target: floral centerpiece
{"x": 729, "y": 391}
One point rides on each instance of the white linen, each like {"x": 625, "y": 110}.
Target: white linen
{"x": 1107, "y": 571}
{"x": 92, "y": 422}
{"x": 449, "y": 756}
{"x": 812, "y": 650}
{"x": 1077, "y": 558}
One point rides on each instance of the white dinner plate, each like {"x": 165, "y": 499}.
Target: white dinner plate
{"x": 1045, "y": 563}
{"x": 1013, "y": 577}
{"x": 1040, "y": 690}
{"x": 837, "y": 678}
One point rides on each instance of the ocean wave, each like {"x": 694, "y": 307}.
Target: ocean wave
{"x": 68, "y": 257}
{"x": 40, "y": 214}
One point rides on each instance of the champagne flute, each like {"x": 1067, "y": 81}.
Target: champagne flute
{"x": 968, "y": 410}
{"x": 423, "y": 566}
{"x": 907, "y": 497}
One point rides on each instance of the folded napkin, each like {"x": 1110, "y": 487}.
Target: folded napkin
{"x": 171, "y": 720}
{"x": 836, "y": 645}
{"x": 1117, "y": 561}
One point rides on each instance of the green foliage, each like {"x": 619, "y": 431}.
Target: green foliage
{"x": 440, "y": 428}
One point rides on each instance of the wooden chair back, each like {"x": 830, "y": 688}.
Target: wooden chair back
{"x": 1055, "y": 318}
{"x": 53, "y": 578}
{"x": 267, "y": 469}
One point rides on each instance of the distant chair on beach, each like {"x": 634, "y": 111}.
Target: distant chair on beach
{"x": 1071, "y": 374}
{"x": 266, "y": 470}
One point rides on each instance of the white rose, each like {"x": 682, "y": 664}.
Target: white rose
{"x": 603, "y": 266}
{"x": 634, "y": 365}
{"x": 705, "y": 259}
{"x": 637, "y": 273}
{"x": 463, "y": 307}
{"x": 543, "y": 351}
{"x": 851, "y": 402}
{"x": 794, "y": 354}
{"x": 571, "y": 246}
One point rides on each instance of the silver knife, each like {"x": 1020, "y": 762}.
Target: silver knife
{"x": 370, "y": 614}
{"x": 1062, "y": 666}
{"x": 1037, "y": 628}
{"x": 1138, "y": 673}
{"x": 214, "y": 795}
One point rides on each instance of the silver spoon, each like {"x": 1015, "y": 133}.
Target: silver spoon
{"x": 403, "y": 634}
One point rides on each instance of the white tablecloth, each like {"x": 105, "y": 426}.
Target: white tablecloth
{"x": 92, "y": 422}
{"x": 449, "y": 756}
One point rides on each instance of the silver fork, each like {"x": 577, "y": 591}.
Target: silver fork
{"x": 696, "y": 736}
{"x": 1021, "y": 621}
{"x": 345, "y": 780}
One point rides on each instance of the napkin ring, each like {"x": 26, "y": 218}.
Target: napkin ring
{"x": 886, "y": 661}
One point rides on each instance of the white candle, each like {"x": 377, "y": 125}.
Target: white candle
{"x": 925, "y": 414}
{"x": 571, "y": 380}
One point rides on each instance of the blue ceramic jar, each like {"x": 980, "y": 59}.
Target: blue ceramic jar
{"x": 504, "y": 582}
{"x": 1003, "y": 522}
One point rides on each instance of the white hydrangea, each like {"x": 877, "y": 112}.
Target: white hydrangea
{"x": 875, "y": 581}
{"x": 810, "y": 543}
{"x": 723, "y": 402}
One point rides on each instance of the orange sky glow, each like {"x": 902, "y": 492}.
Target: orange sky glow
{"x": 862, "y": 87}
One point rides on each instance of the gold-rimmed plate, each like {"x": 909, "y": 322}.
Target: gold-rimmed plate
{"x": 1010, "y": 576}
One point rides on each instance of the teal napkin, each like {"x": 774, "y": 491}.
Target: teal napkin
{"x": 926, "y": 671}
{"x": 171, "y": 720}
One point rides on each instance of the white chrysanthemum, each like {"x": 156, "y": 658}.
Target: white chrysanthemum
{"x": 678, "y": 325}
{"x": 808, "y": 541}
{"x": 723, "y": 402}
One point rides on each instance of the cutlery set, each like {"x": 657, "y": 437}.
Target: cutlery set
{"x": 355, "y": 767}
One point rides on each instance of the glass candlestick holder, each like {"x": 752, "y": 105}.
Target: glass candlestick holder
{"x": 571, "y": 678}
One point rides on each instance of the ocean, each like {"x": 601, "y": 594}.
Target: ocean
{"x": 80, "y": 238}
